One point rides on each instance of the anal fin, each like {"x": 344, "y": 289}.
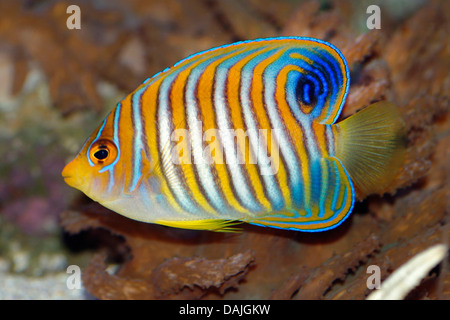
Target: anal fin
{"x": 331, "y": 201}
{"x": 218, "y": 225}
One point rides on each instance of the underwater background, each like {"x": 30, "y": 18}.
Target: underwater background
{"x": 57, "y": 84}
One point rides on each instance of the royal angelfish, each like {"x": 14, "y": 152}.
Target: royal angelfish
{"x": 242, "y": 133}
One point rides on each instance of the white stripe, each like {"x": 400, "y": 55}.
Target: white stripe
{"x": 225, "y": 129}
{"x": 165, "y": 128}
{"x": 257, "y": 146}
{"x": 137, "y": 138}
{"x": 305, "y": 122}
{"x": 286, "y": 148}
{"x": 195, "y": 127}
{"x": 330, "y": 140}
{"x": 313, "y": 148}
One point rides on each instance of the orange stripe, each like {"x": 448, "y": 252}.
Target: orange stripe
{"x": 319, "y": 132}
{"x": 178, "y": 115}
{"x": 285, "y": 220}
{"x": 149, "y": 108}
{"x": 257, "y": 98}
{"x": 294, "y": 129}
{"x": 233, "y": 92}
{"x": 126, "y": 148}
{"x": 204, "y": 93}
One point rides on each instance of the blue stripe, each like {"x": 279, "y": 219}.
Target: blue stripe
{"x": 206, "y": 177}
{"x": 224, "y": 124}
{"x": 352, "y": 195}
{"x": 165, "y": 126}
{"x": 256, "y": 140}
{"x": 116, "y": 142}
{"x": 286, "y": 147}
{"x": 137, "y": 138}
{"x": 337, "y": 186}
{"x": 334, "y": 85}
{"x": 115, "y": 138}
{"x": 95, "y": 140}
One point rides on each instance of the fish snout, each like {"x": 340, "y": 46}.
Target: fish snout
{"x": 70, "y": 175}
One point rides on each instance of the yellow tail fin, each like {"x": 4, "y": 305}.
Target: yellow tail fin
{"x": 371, "y": 146}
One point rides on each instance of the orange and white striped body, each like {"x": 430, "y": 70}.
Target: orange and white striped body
{"x": 241, "y": 132}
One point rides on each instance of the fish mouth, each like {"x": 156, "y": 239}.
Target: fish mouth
{"x": 70, "y": 181}
{"x": 69, "y": 177}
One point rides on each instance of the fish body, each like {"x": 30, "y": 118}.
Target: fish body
{"x": 243, "y": 132}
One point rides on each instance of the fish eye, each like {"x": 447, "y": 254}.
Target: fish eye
{"x": 103, "y": 152}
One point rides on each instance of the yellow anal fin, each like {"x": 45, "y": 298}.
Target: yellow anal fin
{"x": 331, "y": 201}
{"x": 217, "y": 225}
